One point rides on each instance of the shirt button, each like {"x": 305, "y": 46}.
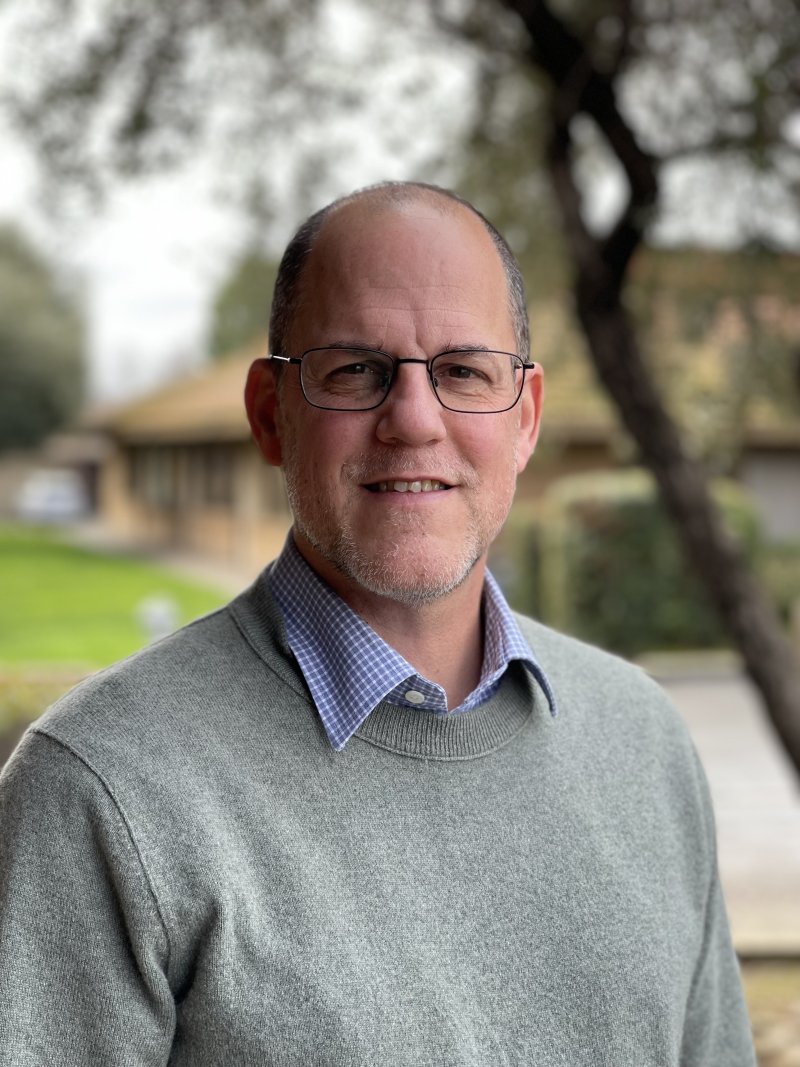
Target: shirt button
{"x": 414, "y": 696}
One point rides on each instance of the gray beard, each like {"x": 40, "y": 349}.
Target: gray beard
{"x": 379, "y": 576}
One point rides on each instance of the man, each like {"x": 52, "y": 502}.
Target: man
{"x": 365, "y": 815}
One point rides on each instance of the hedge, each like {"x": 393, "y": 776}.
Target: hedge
{"x": 598, "y": 557}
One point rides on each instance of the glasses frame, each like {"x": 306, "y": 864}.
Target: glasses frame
{"x": 396, "y": 362}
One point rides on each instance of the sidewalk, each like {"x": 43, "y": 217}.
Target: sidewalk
{"x": 756, "y": 794}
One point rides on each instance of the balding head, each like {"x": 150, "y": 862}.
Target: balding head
{"x": 415, "y": 275}
{"x": 289, "y": 290}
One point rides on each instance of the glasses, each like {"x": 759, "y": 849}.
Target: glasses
{"x": 359, "y": 379}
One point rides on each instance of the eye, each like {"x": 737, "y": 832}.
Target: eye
{"x": 364, "y": 367}
{"x": 464, "y": 369}
{"x": 458, "y": 370}
{"x": 348, "y": 371}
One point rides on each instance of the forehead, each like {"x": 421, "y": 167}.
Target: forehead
{"x": 413, "y": 268}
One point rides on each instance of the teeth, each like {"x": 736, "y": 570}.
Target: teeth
{"x": 427, "y": 485}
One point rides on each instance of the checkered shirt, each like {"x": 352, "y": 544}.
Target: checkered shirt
{"x": 349, "y": 669}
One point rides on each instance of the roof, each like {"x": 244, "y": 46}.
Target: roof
{"x": 204, "y": 407}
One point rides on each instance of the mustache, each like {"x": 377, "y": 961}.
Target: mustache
{"x": 369, "y": 466}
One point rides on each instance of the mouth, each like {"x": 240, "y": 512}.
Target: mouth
{"x": 419, "y": 485}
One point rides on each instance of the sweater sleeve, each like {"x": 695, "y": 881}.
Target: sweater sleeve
{"x": 83, "y": 948}
{"x": 716, "y": 1027}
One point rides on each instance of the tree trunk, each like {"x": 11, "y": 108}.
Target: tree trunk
{"x": 600, "y": 266}
{"x": 744, "y": 609}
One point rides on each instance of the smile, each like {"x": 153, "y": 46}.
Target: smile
{"x": 426, "y": 485}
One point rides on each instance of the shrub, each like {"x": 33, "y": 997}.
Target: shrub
{"x": 780, "y": 570}
{"x": 599, "y": 558}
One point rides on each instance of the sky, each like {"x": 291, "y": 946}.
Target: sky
{"x": 147, "y": 265}
{"x": 144, "y": 270}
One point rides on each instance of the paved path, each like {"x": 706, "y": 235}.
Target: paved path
{"x": 757, "y": 802}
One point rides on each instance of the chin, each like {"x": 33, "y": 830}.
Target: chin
{"x": 403, "y": 575}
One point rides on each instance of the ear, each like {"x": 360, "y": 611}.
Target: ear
{"x": 261, "y": 401}
{"x": 530, "y": 415}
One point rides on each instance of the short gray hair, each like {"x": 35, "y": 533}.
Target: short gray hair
{"x": 288, "y": 284}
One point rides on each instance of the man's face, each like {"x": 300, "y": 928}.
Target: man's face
{"x": 410, "y": 281}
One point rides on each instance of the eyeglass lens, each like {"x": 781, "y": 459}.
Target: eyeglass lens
{"x": 355, "y": 380}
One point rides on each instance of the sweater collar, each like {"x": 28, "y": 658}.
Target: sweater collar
{"x": 350, "y": 670}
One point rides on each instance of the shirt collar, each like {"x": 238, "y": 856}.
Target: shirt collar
{"x": 349, "y": 668}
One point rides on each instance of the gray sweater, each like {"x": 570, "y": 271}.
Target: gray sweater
{"x": 190, "y": 875}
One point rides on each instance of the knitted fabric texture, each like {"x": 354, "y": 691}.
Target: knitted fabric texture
{"x": 190, "y": 875}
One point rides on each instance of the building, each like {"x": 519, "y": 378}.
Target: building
{"x": 183, "y": 473}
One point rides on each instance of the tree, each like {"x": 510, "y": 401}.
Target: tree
{"x": 583, "y": 75}
{"x": 41, "y": 348}
{"x": 647, "y": 84}
{"x": 723, "y": 339}
{"x": 118, "y": 89}
{"x": 241, "y": 306}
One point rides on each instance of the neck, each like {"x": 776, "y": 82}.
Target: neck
{"x": 441, "y": 639}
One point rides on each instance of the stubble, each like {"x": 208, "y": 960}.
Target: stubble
{"x": 407, "y": 566}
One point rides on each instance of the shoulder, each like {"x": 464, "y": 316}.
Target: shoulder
{"x": 618, "y": 731}
{"x": 170, "y": 669}
{"x": 169, "y": 694}
{"x": 606, "y": 702}
{"x": 572, "y": 663}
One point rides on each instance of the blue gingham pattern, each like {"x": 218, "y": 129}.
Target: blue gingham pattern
{"x": 349, "y": 669}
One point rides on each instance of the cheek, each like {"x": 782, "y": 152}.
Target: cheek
{"x": 493, "y": 451}
{"x": 324, "y": 445}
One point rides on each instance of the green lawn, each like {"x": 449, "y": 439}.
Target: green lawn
{"x": 60, "y": 604}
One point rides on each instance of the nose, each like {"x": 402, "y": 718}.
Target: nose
{"x": 411, "y": 414}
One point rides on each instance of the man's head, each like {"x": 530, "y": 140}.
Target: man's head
{"x": 288, "y": 292}
{"x": 403, "y": 500}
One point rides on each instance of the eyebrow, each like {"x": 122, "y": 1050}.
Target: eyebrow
{"x": 465, "y": 348}
{"x": 356, "y": 346}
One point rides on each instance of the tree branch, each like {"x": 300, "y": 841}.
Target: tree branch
{"x": 578, "y": 86}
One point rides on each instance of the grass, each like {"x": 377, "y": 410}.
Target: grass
{"x": 66, "y": 611}
{"x": 62, "y": 604}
